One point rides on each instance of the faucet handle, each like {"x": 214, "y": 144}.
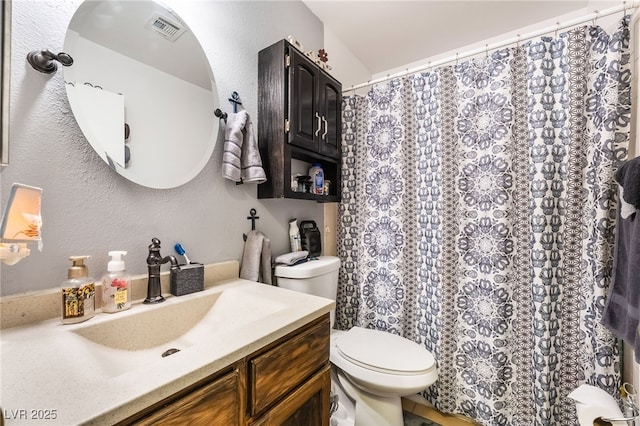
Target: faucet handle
{"x": 155, "y": 245}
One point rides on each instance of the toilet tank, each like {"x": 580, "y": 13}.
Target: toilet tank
{"x": 317, "y": 277}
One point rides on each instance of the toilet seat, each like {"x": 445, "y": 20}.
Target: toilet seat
{"x": 383, "y": 379}
{"x": 384, "y": 352}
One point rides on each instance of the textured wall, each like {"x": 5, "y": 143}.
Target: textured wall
{"x": 88, "y": 209}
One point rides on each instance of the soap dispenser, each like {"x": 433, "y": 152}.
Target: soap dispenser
{"x": 78, "y": 292}
{"x": 116, "y": 292}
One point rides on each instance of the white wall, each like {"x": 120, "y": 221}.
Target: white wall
{"x": 592, "y": 6}
{"x": 345, "y": 65}
{"x": 88, "y": 209}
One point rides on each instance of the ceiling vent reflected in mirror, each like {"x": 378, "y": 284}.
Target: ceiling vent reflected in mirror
{"x": 165, "y": 27}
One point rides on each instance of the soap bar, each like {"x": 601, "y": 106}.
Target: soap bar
{"x": 187, "y": 279}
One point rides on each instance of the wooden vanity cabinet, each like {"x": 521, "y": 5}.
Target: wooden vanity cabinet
{"x": 299, "y": 118}
{"x": 285, "y": 383}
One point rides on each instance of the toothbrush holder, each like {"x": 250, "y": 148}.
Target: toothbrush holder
{"x": 186, "y": 279}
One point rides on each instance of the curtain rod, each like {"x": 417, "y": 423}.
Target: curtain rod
{"x": 517, "y": 39}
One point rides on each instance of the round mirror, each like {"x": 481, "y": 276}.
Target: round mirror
{"x": 137, "y": 63}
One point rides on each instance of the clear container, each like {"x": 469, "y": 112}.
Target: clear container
{"x": 78, "y": 293}
{"x": 327, "y": 187}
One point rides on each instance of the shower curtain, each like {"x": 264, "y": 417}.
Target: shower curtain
{"x": 477, "y": 219}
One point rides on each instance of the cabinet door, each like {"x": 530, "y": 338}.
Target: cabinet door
{"x": 304, "y": 119}
{"x": 217, "y": 403}
{"x": 331, "y": 113}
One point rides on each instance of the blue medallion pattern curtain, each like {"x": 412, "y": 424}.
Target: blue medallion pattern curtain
{"x": 477, "y": 219}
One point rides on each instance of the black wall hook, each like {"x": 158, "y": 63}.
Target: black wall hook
{"x": 252, "y": 217}
{"x": 45, "y": 60}
{"x": 218, "y": 113}
{"x": 235, "y": 100}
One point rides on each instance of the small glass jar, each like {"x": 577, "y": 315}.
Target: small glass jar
{"x": 294, "y": 183}
{"x": 327, "y": 187}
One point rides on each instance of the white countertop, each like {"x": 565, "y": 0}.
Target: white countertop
{"x": 51, "y": 375}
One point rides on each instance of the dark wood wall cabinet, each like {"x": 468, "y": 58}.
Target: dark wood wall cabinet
{"x": 299, "y": 121}
{"x": 285, "y": 383}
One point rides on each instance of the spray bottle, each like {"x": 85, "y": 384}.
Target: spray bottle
{"x": 294, "y": 235}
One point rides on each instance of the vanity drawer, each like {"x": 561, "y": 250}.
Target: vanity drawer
{"x": 280, "y": 369}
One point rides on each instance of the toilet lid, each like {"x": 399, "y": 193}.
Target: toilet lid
{"x": 384, "y": 352}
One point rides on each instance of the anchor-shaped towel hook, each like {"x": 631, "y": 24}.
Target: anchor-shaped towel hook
{"x": 252, "y": 217}
{"x": 235, "y": 100}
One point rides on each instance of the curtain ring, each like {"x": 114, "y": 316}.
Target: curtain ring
{"x": 486, "y": 50}
{"x": 624, "y": 9}
{"x": 456, "y": 58}
{"x": 518, "y": 42}
{"x": 595, "y": 18}
{"x": 429, "y": 69}
{"x": 557, "y": 29}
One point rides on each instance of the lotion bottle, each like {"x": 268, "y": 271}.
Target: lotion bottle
{"x": 116, "y": 291}
{"x": 317, "y": 179}
{"x": 78, "y": 292}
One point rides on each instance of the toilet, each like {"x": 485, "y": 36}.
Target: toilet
{"x": 371, "y": 369}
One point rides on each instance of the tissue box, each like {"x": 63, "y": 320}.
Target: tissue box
{"x": 187, "y": 279}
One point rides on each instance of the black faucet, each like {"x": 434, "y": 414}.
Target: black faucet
{"x": 154, "y": 262}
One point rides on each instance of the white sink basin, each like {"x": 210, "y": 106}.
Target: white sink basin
{"x": 187, "y": 319}
{"x": 147, "y": 333}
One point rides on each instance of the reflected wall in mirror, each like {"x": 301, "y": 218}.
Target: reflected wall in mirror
{"x": 137, "y": 62}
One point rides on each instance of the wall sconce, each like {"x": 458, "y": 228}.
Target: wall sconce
{"x": 21, "y": 223}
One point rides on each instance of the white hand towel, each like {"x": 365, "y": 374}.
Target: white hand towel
{"x": 241, "y": 158}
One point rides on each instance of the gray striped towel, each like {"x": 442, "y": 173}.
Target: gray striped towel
{"x": 241, "y": 160}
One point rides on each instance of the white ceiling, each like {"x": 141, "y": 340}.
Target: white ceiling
{"x": 391, "y": 34}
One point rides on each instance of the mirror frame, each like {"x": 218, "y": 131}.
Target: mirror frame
{"x": 5, "y": 77}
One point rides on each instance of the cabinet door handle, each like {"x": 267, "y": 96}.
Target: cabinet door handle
{"x": 326, "y": 127}
{"x": 318, "y": 128}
